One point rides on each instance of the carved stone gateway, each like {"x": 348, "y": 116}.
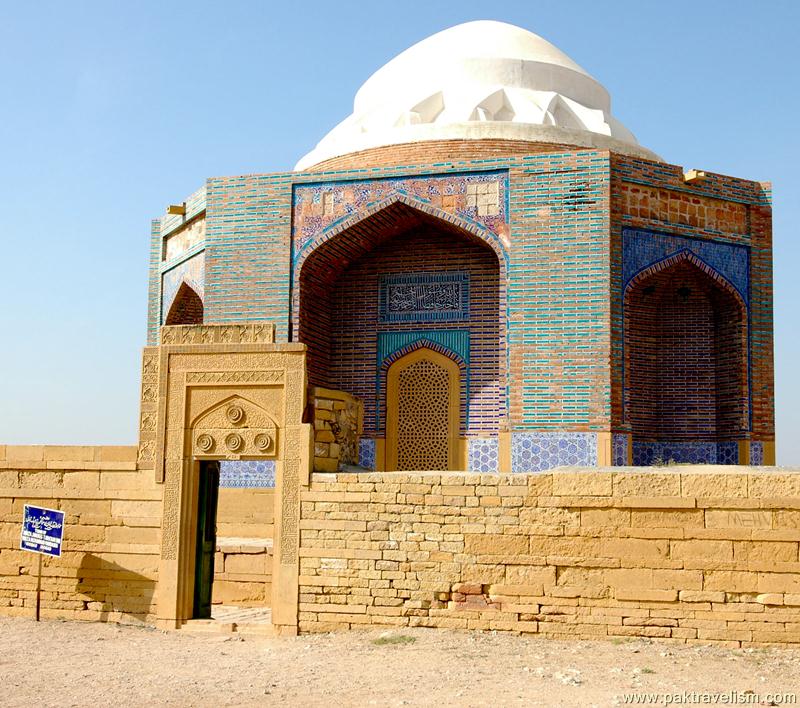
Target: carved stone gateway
{"x": 223, "y": 392}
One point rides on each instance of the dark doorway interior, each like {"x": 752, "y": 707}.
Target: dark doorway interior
{"x": 208, "y": 495}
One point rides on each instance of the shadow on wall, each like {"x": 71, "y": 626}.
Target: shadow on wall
{"x": 114, "y": 593}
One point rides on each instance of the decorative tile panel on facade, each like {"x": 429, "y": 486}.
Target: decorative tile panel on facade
{"x": 467, "y": 284}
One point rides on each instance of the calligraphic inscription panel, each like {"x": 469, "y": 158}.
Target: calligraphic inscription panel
{"x": 424, "y": 297}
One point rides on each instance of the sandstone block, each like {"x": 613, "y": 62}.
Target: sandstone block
{"x": 325, "y": 464}
{"x": 25, "y": 453}
{"x": 717, "y": 550}
{"x": 530, "y": 575}
{"x": 770, "y": 484}
{"x": 778, "y": 583}
{"x": 765, "y": 551}
{"x": 714, "y": 485}
{"x": 701, "y": 596}
{"x": 609, "y": 518}
{"x": 643, "y": 594}
{"x": 738, "y": 518}
{"x": 495, "y": 544}
{"x": 647, "y": 484}
{"x": 582, "y": 484}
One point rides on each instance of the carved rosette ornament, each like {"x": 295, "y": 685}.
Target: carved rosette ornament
{"x": 234, "y": 442}
{"x": 205, "y": 443}
{"x": 235, "y": 414}
{"x": 235, "y": 428}
{"x": 263, "y": 442}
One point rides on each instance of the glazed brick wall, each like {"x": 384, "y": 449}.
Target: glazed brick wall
{"x": 687, "y": 359}
{"x": 654, "y": 196}
{"x": 247, "y": 250}
{"x": 558, "y": 292}
{"x": 762, "y": 377}
{"x": 154, "y": 284}
{"x": 162, "y": 228}
{"x": 557, "y": 289}
{"x": 348, "y": 359}
{"x": 567, "y": 211}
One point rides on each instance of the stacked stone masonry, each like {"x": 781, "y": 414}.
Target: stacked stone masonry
{"x": 243, "y": 572}
{"x": 108, "y": 570}
{"x": 700, "y": 554}
{"x": 338, "y": 419}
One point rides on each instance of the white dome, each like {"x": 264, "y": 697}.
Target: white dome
{"x": 479, "y": 80}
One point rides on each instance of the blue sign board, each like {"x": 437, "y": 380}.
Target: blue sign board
{"x": 42, "y": 530}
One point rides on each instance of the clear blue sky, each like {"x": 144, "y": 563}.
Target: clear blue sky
{"x": 111, "y": 110}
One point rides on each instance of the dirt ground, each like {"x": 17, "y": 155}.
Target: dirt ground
{"x": 79, "y": 664}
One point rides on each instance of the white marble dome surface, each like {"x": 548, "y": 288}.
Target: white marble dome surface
{"x": 479, "y": 80}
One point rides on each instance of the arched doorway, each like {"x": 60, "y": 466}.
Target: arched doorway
{"x": 186, "y": 308}
{"x": 686, "y": 380}
{"x": 422, "y": 412}
{"x": 396, "y": 279}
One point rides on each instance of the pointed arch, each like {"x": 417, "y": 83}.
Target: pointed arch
{"x": 439, "y": 272}
{"x": 399, "y": 197}
{"x": 254, "y": 415}
{"x": 186, "y": 308}
{"x": 686, "y": 363}
{"x": 422, "y": 412}
{"x": 686, "y": 255}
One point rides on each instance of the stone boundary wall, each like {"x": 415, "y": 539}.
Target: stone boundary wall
{"x": 247, "y": 512}
{"x": 243, "y": 572}
{"x": 689, "y": 554}
{"x": 112, "y": 535}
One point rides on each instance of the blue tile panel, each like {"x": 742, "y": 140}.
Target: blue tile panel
{"x": 424, "y": 297}
{"x": 619, "y": 449}
{"x": 483, "y": 455}
{"x": 756, "y": 453}
{"x": 698, "y": 453}
{"x": 451, "y": 340}
{"x": 247, "y": 250}
{"x": 366, "y": 453}
{"x": 248, "y": 474}
{"x": 326, "y": 206}
{"x": 534, "y": 452}
{"x": 192, "y": 272}
{"x": 728, "y": 453}
{"x": 453, "y": 343}
{"x": 641, "y": 249}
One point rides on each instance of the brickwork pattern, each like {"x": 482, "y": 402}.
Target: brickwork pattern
{"x": 351, "y": 324}
{"x": 185, "y": 228}
{"x": 337, "y": 426}
{"x": 435, "y": 152}
{"x": 726, "y": 223}
{"x": 700, "y": 555}
{"x": 188, "y": 277}
{"x": 686, "y": 358}
{"x": 558, "y": 292}
{"x": 562, "y": 369}
{"x": 248, "y": 250}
